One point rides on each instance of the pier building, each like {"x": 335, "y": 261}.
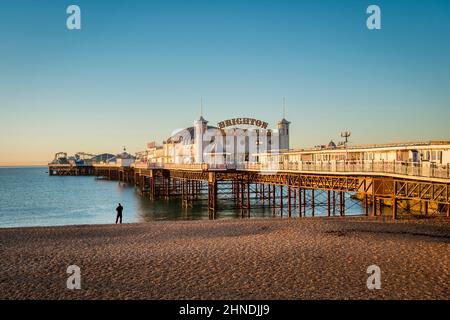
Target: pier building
{"x": 228, "y": 144}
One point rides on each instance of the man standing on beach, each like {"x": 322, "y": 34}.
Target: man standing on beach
{"x": 119, "y": 210}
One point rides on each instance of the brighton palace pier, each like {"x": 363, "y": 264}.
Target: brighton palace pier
{"x": 244, "y": 163}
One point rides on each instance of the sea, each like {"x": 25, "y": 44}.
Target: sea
{"x": 30, "y": 197}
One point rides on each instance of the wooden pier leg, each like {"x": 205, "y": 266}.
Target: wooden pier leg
{"x": 295, "y": 199}
{"x": 281, "y": 201}
{"x": 334, "y": 203}
{"x": 394, "y": 207}
{"x": 212, "y": 195}
{"x": 168, "y": 188}
{"x": 366, "y": 204}
{"x": 304, "y": 202}
{"x": 263, "y": 195}
{"x": 289, "y": 202}
{"x": 183, "y": 193}
{"x": 248, "y": 199}
{"x": 374, "y": 206}
{"x": 312, "y": 203}
{"x": 343, "y": 203}
{"x": 238, "y": 193}
{"x": 188, "y": 193}
{"x": 328, "y": 203}
{"x": 274, "y": 194}
{"x": 242, "y": 198}
{"x": 380, "y": 205}
{"x": 426, "y": 208}
{"x": 448, "y": 210}
{"x": 299, "y": 202}
{"x": 194, "y": 190}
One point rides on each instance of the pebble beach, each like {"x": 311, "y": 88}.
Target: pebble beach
{"x": 308, "y": 258}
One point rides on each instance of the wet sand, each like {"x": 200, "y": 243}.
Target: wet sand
{"x": 309, "y": 258}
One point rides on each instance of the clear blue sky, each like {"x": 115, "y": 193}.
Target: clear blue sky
{"x": 137, "y": 69}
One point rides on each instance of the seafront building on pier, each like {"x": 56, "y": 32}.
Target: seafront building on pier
{"x": 231, "y": 142}
{"x": 247, "y": 143}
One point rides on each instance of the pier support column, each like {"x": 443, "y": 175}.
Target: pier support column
{"x": 167, "y": 189}
{"x": 263, "y": 194}
{"x": 394, "y": 202}
{"x": 366, "y": 204}
{"x": 299, "y": 202}
{"x": 334, "y": 203}
{"x": 141, "y": 184}
{"x": 183, "y": 194}
{"x": 328, "y": 203}
{"x": 312, "y": 203}
{"x": 394, "y": 208}
{"x": 241, "y": 197}
{"x": 281, "y": 201}
{"x": 212, "y": 195}
{"x": 374, "y": 206}
{"x": 248, "y": 199}
{"x": 236, "y": 192}
{"x": 304, "y": 202}
{"x": 343, "y": 203}
{"x": 289, "y": 201}
{"x": 151, "y": 192}
{"x": 274, "y": 195}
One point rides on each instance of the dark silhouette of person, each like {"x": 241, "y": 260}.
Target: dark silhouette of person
{"x": 119, "y": 210}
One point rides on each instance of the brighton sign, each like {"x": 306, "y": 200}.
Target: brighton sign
{"x": 242, "y": 121}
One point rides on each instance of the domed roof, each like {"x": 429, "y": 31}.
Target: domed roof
{"x": 331, "y": 144}
{"x": 124, "y": 155}
{"x": 202, "y": 120}
{"x": 182, "y": 134}
{"x": 186, "y": 135}
{"x": 284, "y": 121}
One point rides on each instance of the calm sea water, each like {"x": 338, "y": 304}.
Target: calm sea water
{"x": 30, "y": 197}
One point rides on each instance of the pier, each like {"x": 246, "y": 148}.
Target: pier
{"x": 288, "y": 190}
{"x": 245, "y": 164}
